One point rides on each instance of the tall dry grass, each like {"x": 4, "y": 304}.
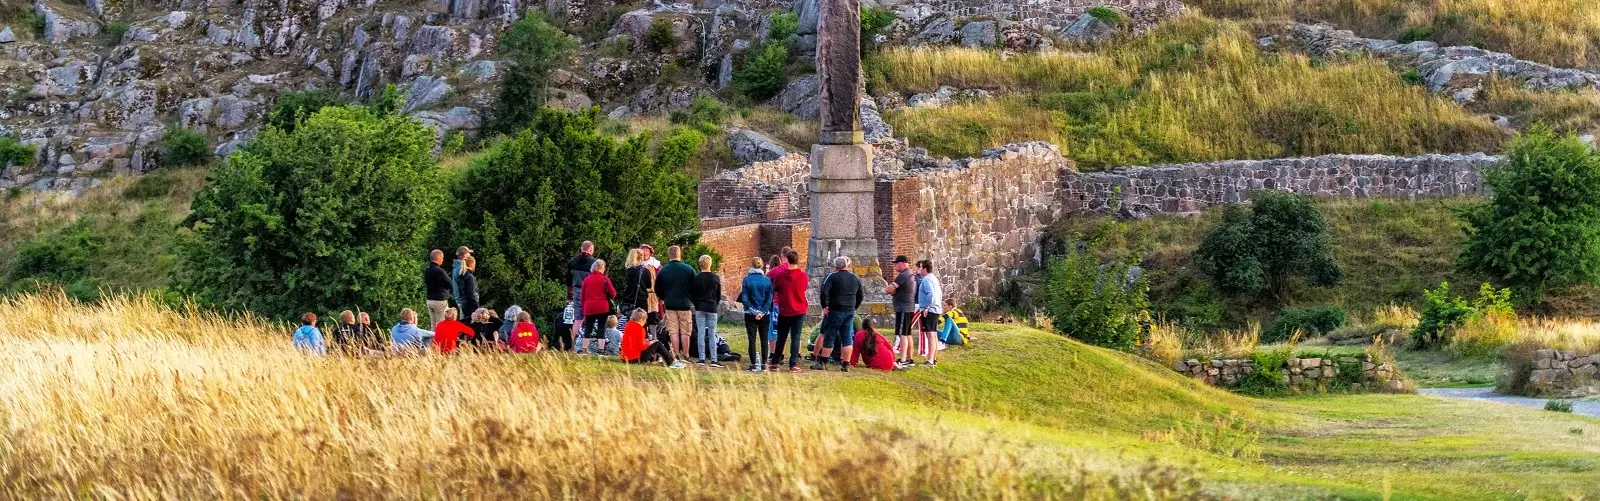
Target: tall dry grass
{"x": 1558, "y": 32}
{"x": 128, "y": 399}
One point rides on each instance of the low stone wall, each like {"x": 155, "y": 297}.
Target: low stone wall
{"x": 1565, "y": 373}
{"x": 1191, "y": 188}
{"x": 760, "y": 192}
{"x": 1300, "y": 374}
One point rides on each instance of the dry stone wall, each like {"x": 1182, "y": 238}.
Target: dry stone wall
{"x": 1301, "y": 374}
{"x": 1564, "y": 373}
{"x": 763, "y": 191}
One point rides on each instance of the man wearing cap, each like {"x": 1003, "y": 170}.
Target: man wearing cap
{"x": 904, "y": 292}
{"x": 650, "y": 260}
{"x": 456, "y": 268}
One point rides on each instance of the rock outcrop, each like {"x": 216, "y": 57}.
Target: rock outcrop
{"x": 1451, "y": 69}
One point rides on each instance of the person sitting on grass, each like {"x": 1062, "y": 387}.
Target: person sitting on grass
{"x": 485, "y": 329}
{"x": 525, "y": 336}
{"x": 613, "y": 346}
{"x": 873, "y": 348}
{"x": 638, "y": 349}
{"x": 449, "y": 333}
{"x": 308, "y": 337}
{"x": 406, "y": 337}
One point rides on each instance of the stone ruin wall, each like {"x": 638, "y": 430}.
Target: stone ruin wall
{"x": 1301, "y": 374}
{"x": 761, "y": 192}
{"x": 1057, "y": 13}
{"x": 1564, "y": 373}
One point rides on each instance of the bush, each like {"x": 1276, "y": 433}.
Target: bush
{"x": 1259, "y": 250}
{"x": 1413, "y": 76}
{"x": 764, "y": 72}
{"x": 334, "y": 215}
{"x": 149, "y": 187}
{"x": 113, "y": 33}
{"x": 784, "y": 25}
{"x": 13, "y": 152}
{"x": 705, "y": 114}
{"x": 534, "y": 48}
{"x": 36, "y": 22}
{"x": 1096, "y": 304}
{"x": 64, "y": 258}
{"x": 1443, "y": 314}
{"x": 1415, "y": 34}
{"x": 618, "y": 47}
{"x": 659, "y": 37}
{"x": 294, "y": 107}
{"x": 1309, "y": 322}
{"x": 873, "y": 21}
{"x": 1105, "y": 15}
{"x": 570, "y": 183}
{"x": 1541, "y": 229}
{"x": 184, "y": 147}
{"x": 1558, "y": 405}
{"x": 1268, "y": 378}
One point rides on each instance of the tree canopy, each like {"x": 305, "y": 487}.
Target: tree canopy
{"x": 1261, "y": 249}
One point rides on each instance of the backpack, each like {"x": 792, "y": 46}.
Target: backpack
{"x": 724, "y": 353}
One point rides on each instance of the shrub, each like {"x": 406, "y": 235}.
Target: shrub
{"x": 1106, "y": 15}
{"x": 1415, "y": 34}
{"x": 1268, "y": 378}
{"x": 1412, "y": 76}
{"x": 873, "y": 21}
{"x": 331, "y": 216}
{"x": 13, "y": 152}
{"x": 534, "y": 48}
{"x": 1258, "y": 250}
{"x": 294, "y": 107}
{"x": 63, "y": 258}
{"x": 113, "y": 33}
{"x": 659, "y": 36}
{"x": 764, "y": 72}
{"x": 1558, "y": 405}
{"x": 618, "y": 47}
{"x": 1443, "y": 315}
{"x": 1094, "y": 303}
{"x": 1541, "y": 229}
{"x": 184, "y": 147}
{"x": 784, "y": 25}
{"x": 1309, "y": 322}
{"x": 36, "y": 22}
{"x": 705, "y": 114}
{"x": 149, "y": 187}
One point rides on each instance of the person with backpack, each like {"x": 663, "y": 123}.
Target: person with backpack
{"x": 308, "y": 337}
{"x": 789, "y": 284}
{"x": 597, "y": 295}
{"x": 930, "y": 304}
{"x": 707, "y": 297}
{"x": 755, "y": 293}
{"x": 449, "y": 333}
{"x": 675, "y": 287}
{"x": 841, "y": 294}
{"x": 467, "y": 286}
{"x": 872, "y": 348}
{"x": 904, "y": 293}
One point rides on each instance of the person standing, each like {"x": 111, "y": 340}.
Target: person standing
{"x": 904, "y": 292}
{"x": 650, "y": 257}
{"x": 707, "y": 297}
{"x": 789, "y": 284}
{"x": 449, "y": 333}
{"x": 755, "y": 293}
{"x": 930, "y": 304}
{"x": 458, "y": 267}
{"x": 772, "y": 313}
{"x": 437, "y": 283}
{"x": 468, "y": 290}
{"x": 597, "y": 295}
{"x": 841, "y": 294}
{"x": 675, "y": 286}
{"x": 405, "y": 334}
{"x": 308, "y": 337}
{"x": 638, "y": 280}
{"x": 579, "y": 267}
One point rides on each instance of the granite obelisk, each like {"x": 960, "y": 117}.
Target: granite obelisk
{"x": 841, "y": 184}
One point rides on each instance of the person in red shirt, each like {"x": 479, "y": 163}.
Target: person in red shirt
{"x": 525, "y": 336}
{"x": 449, "y": 332}
{"x": 638, "y": 349}
{"x": 595, "y": 295}
{"x": 789, "y": 283}
{"x": 872, "y": 346}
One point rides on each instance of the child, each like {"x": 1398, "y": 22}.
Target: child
{"x": 308, "y": 337}
{"x": 525, "y": 336}
{"x": 613, "y": 346}
{"x": 636, "y": 349}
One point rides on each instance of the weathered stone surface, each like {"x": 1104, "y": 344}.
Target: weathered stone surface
{"x": 939, "y": 31}
{"x": 6, "y": 36}
{"x": 839, "y": 70}
{"x": 802, "y": 97}
{"x": 425, "y": 91}
{"x": 980, "y": 34}
{"x": 1443, "y": 68}
{"x": 750, "y": 147}
{"x": 1088, "y": 29}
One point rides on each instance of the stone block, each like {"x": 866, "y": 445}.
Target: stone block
{"x": 1542, "y": 363}
{"x": 1311, "y": 362}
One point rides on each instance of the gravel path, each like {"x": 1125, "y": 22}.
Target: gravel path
{"x": 1584, "y": 407}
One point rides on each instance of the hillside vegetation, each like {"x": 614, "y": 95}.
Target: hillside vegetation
{"x": 1193, "y": 89}
{"x": 1019, "y": 414}
{"x": 1558, "y": 32}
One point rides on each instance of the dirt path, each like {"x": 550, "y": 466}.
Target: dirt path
{"x": 1584, "y": 407}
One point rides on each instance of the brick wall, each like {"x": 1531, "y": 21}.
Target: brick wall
{"x": 761, "y": 192}
{"x": 736, "y": 244}
{"x": 895, "y": 199}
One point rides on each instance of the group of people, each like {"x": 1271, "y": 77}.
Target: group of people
{"x": 668, "y": 312}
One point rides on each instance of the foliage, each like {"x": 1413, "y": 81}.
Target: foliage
{"x": 764, "y": 72}
{"x": 35, "y": 21}
{"x": 617, "y": 47}
{"x": 1097, "y": 304}
{"x": 534, "y": 48}
{"x": 1105, "y": 14}
{"x": 1260, "y": 250}
{"x": 387, "y": 102}
{"x": 63, "y": 258}
{"x": 331, "y": 216}
{"x": 1309, "y": 322}
{"x": 1415, "y": 34}
{"x": 873, "y": 21}
{"x": 454, "y": 143}
{"x": 1541, "y": 229}
{"x": 184, "y": 147}
{"x": 294, "y": 107}
{"x": 1268, "y": 378}
{"x": 782, "y": 26}
{"x": 114, "y": 31}
{"x": 1558, "y": 405}
{"x": 705, "y": 114}
{"x": 1443, "y": 314}
{"x": 562, "y": 183}
{"x": 659, "y": 37}
{"x": 13, "y": 152}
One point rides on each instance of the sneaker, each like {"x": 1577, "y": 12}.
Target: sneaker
{"x": 715, "y": 365}
{"x": 749, "y": 368}
{"x": 844, "y": 367}
{"x": 677, "y": 365}
{"x": 699, "y": 362}
{"x": 794, "y": 368}
{"x": 818, "y": 367}
{"x": 931, "y": 363}
{"x": 761, "y": 368}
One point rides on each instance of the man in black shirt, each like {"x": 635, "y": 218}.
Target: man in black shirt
{"x": 904, "y": 292}
{"x": 436, "y": 281}
{"x": 840, "y": 295}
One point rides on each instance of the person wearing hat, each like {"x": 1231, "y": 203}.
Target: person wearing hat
{"x": 457, "y": 267}
{"x": 904, "y": 293}
{"x": 467, "y": 286}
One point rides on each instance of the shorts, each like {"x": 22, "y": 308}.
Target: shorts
{"x": 680, "y": 322}
{"x": 902, "y": 323}
{"x": 931, "y": 322}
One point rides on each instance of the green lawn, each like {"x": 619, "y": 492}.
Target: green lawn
{"x": 1056, "y": 401}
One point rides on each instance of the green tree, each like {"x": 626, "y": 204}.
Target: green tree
{"x": 184, "y": 147}
{"x": 13, "y": 152}
{"x": 1541, "y": 230}
{"x": 294, "y": 107}
{"x": 873, "y": 21}
{"x": 1097, "y": 304}
{"x": 764, "y": 72}
{"x": 560, "y": 182}
{"x": 534, "y": 48}
{"x": 782, "y": 26}
{"x": 1262, "y": 249}
{"x": 331, "y": 216}
{"x": 659, "y": 37}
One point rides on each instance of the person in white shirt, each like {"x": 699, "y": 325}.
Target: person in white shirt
{"x": 930, "y": 306}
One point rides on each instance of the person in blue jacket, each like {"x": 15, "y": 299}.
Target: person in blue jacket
{"x": 406, "y": 336}
{"x": 756, "y": 296}
{"x": 309, "y": 337}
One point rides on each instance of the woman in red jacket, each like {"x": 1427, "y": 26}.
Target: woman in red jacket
{"x": 596, "y": 297}
{"x": 637, "y": 349}
{"x": 872, "y": 346}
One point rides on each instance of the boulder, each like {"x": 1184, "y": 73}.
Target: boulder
{"x": 1088, "y": 29}
{"x": 479, "y": 71}
{"x": 807, "y": 11}
{"x": 750, "y": 147}
{"x": 873, "y": 128}
{"x": 6, "y": 36}
{"x": 802, "y": 98}
{"x": 425, "y": 91}
{"x": 979, "y": 34}
{"x": 59, "y": 29}
{"x": 939, "y": 31}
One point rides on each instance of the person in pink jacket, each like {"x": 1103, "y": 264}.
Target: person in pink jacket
{"x": 872, "y": 348}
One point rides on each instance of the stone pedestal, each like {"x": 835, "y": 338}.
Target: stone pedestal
{"x": 842, "y": 221}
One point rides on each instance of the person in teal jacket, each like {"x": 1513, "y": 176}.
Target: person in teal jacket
{"x": 309, "y": 337}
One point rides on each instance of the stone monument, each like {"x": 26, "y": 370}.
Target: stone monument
{"x": 841, "y": 182}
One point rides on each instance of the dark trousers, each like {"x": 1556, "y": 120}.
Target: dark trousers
{"x": 653, "y": 352}
{"x": 594, "y": 326}
{"x": 789, "y": 330}
{"x": 755, "y": 331}
{"x": 562, "y": 340}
